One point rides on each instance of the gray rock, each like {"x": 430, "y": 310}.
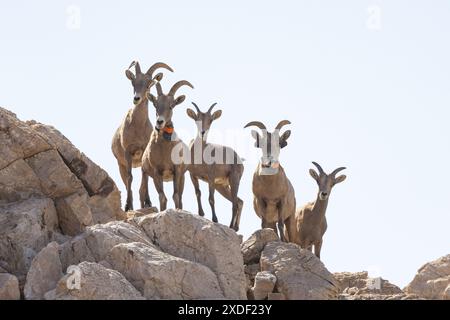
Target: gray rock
{"x": 9, "y": 287}
{"x": 44, "y": 273}
{"x": 253, "y": 246}
{"x": 300, "y": 274}
{"x": 197, "y": 239}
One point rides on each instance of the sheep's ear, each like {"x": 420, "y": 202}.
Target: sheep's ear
{"x": 179, "y": 100}
{"x": 130, "y": 75}
{"x": 340, "y": 179}
{"x": 284, "y": 137}
{"x": 158, "y": 77}
{"x": 257, "y": 137}
{"x": 151, "y": 98}
{"x": 191, "y": 114}
{"x": 314, "y": 174}
{"x": 216, "y": 115}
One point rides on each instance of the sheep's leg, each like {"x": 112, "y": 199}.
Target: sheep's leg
{"x": 291, "y": 229}
{"x": 317, "y": 248}
{"x": 281, "y": 229}
{"x": 198, "y": 194}
{"x": 159, "y": 186}
{"x": 129, "y": 180}
{"x": 176, "y": 188}
{"x": 237, "y": 203}
{"x": 143, "y": 191}
{"x": 226, "y": 193}
{"x": 181, "y": 189}
{"x": 211, "y": 199}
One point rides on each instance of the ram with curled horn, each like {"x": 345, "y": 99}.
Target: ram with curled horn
{"x": 219, "y": 166}
{"x": 166, "y": 156}
{"x": 311, "y": 223}
{"x": 133, "y": 134}
{"x": 273, "y": 194}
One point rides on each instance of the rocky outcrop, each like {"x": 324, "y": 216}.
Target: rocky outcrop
{"x": 9, "y": 287}
{"x": 39, "y": 162}
{"x": 44, "y": 273}
{"x": 253, "y": 246}
{"x": 159, "y": 275}
{"x": 95, "y": 283}
{"x": 300, "y": 274}
{"x": 196, "y": 239}
{"x": 432, "y": 280}
{"x": 25, "y": 228}
{"x": 359, "y": 286}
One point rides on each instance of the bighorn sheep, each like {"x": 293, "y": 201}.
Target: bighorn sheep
{"x": 132, "y": 136}
{"x": 274, "y": 197}
{"x": 310, "y": 219}
{"x": 164, "y": 157}
{"x": 217, "y": 165}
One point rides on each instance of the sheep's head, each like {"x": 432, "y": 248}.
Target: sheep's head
{"x": 326, "y": 181}
{"x": 270, "y": 142}
{"x": 165, "y": 103}
{"x": 203, "y": 119}
{"x": 142, "y": 82}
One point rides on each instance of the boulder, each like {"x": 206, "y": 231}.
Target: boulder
{"x": 39, "y": 162}
{"x": 25, "y": 228}
{"x": 197, "y": 239}
{"x": 253, "y": 246}
{"x": 300, "y": 274}
{"x": 432, "y": 280}
{"x": 359, "y": 283}
{"x": 74, "y": 213}
{"x": 95, "y": 243}
{"x": 9, "y": 287}
{"x": 92, "y": 281}
{"x": 104, "y": 196}
{"x": 158, "y": 275}
{"x": 44, "y": 273}
{"x": 264, "y": 284}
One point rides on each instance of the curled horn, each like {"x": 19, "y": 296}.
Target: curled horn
{"x": 256, "y": 124}
{"x": 157, "y": 66}
{"x": 177, "y": 86}
{"x": 210, "y": 108}
{"x": 137, "y": 67}
{"x": 196, "y": 107}
{"x": 333, "y": 174}
{"x": 318, "y": 167}
{"x": 281, "y": 124}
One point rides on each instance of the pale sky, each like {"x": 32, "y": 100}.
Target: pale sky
{"x": 366, "y": 85}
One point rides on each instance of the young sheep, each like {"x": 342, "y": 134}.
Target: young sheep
{"x": 274, "y": 197}
{"x": 164, "y": 157}
{"x": 311, "y": 220}
{"x": 217, "y": 165}
{"x": 131, "y": 138}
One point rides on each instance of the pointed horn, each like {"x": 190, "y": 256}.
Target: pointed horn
{"x": 159, "y": 88}
{"x": 158, "y": 65}
{"x": 281, "y": 124}
{"x": 210, "y": 108}
{"x": 178, "y": 85}
{"x": 333, "y": 174}
{"x": 256, "y": 124}
{"x": 318, "y": 167}
{"x": 137, "y": 67}
{"x": 196, "y": 107}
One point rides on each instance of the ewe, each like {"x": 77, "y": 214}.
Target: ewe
{"x": 217, "y": 165}
{"x": 311, "y": 220}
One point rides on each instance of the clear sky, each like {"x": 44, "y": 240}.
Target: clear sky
{"x": 366, "y": 85}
